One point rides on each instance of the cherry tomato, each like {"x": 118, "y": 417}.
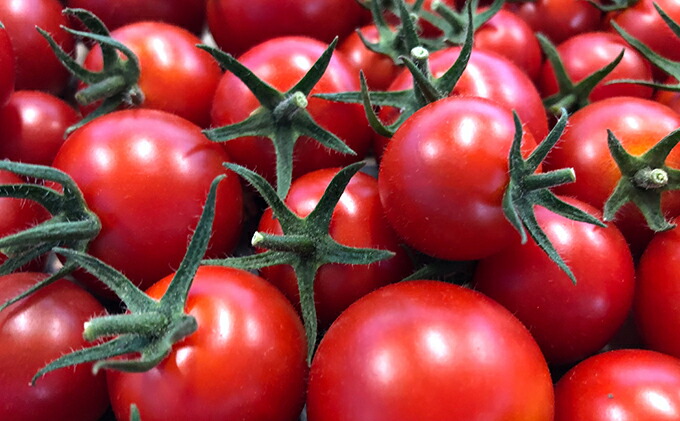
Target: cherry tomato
{"x": 358, "y": 221}
{"x": 146, "y": 174}
{"x": 37, "y": 66}
{"x": 620, "y": 385}
{"x": 282, "y": 62}
{"x": 426, "y": 350}
{"x": 379, "y": 69}
{"x": 245, "y": 362}
{"x": 7, "y": 66}
{"x": 36, "y": 331}
{"x": 569, "y": 322}
{"x": 33, "y": 124}
{"x": 443, "y": 175}
{"x": 176, "y": 76}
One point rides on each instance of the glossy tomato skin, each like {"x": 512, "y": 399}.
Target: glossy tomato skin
{"x": 33, "y": 124}
{"x": 37, "y": 66}
{"x": 146, "y": 175}
{"x": 639, "y": 124}
{"x": 238, "y": 26}
{"x": 658, "y": 291}
{"x": 176, "y": 76}
{"x": 569, "y": 322}
{"x": 282, "y": 62}
{"x": 246, "y": 361}
{"x": 602, "y": 48}
{"x": 36, "y": 331}
{"x": 379, "y": 69}
{"x": 426, "y": 350}
{"x": 443, "y": 175}
{"x": 629, "y": 384}
{"x": 7, "y": 66}
{"x": 357, "y": 221}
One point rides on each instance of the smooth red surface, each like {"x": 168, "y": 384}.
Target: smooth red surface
{"x": 7, "y": 66}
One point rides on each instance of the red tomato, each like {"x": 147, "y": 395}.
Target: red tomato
{"x": 189, "y": 14}
{"x": 237, "y": 25}
{"x": 620, "y": 385}
{"x": 37, "y": 66}
{"x": 246, "y": 361}
{"x": 282, "y": 62}
{"x": 7, "y": 66}
{"x": 33, "y": 125}
{"x": 602, "y": 48}
{"x": 176, "y": 76}
{"x": 669, "y": 98}
{"x": 569, "y": 322}
{"x": 658, "y": 291}
{"x": 426, "y": 351}
{"x": 379, "y": 69}
{"x": 146, "y": 174}
{"x": 443, "y": 176}
{"x": 358, "y": 221}
{"x": 639, "y": 124}
{"x": 36, "y": 331}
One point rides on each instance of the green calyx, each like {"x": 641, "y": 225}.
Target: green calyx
{"x": 72, "y": 224}
{"x": 454, "y": 24}
{"x": 116, "y": 84}
{"x": 571, "y": 96}
{"x": 281, "y": 117}
{"x": 643, "y": 179}
{"x": 306, "y": 244}
{"x": 151, "y": 327}
{"x": 527, "y": 189}
{"x": 613, "y": 5}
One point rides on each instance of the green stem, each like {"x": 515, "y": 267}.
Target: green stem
{"x": 100, "y": 90}
{"x": 550, "y": 179}
{"x": 301, "y": 244}
{"x": 285, "y": 110}
{"x": 648, "y": 178}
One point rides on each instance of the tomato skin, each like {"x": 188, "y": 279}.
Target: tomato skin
{"x": 658, "y": 291}
{"x": 175, "y": 76}
{"x": 602, "y": 48}
{"x": 427, "y": 350}
{"x": 569, "y": 322}
{"x": 35, "y": 331}
{"x": 37, "y": 66}
{"x": 7, "y": 66}
{"x": 146, "y": 174}
{"x": 282, "y": 62}
{"x": 443, "y": 175}
{"x": 380, "y": 70}
{"x": 357, "y": 221}
{"x": 246, "y": 361}
{"x": 33, "y": 124}
{"x": 639, "y": 124}
{"x": 628, "y": 384}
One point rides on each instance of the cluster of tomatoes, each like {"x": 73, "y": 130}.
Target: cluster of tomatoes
{"x": 185, "y": 232}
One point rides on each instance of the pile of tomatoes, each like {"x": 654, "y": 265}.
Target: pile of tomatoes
{"x": 182, "y": 175}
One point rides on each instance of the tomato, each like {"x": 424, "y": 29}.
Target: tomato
{"x": 176, "y": 76}
{"x": 37, "y": 66}
{"x": 379, "y": 69}
{"x": 639, "y": 124}
{"x": 33, "y": 125}
{"x": 282, "y": 62}
{"x": 426, "y": 350}
{"x": 443, "y": 175}
{"x": 189, "y": 14}
{"x": 237, "y": 26}
{"x": 146, "y": 175}
{"x": 669, "y": 98}
{"x": 246, "y": 361}
{"x": 7, "y": 66}
{"x": 658, "y": 292}
{"x": 358, "y": 221}
{"x": 35, "y": 331}
{"x": 569, "y": 322}
{"x": 620, "y": 385}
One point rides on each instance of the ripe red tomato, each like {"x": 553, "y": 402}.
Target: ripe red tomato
{"x": 36, "y": 331}
{"x": 246, "y": 361}
{"x": 658, "y": 291}
{"x": 443, "y": 176}
{"x": 626, "y": 384}
{"x": 175, "y": 76}
{"x": 379, "y": 69}
{"x": 33, "y": 125}
{"x": 602, "y": 48}
{"x": 358, "y": 221}
{"x": 7, "y": 66}
{"x": 146, "y": 174}
{"x": 282, "y": 62}
{"x": 569, "y": 322}
{"x": 37, "y": 66}
{"x": 425, "y": 351}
